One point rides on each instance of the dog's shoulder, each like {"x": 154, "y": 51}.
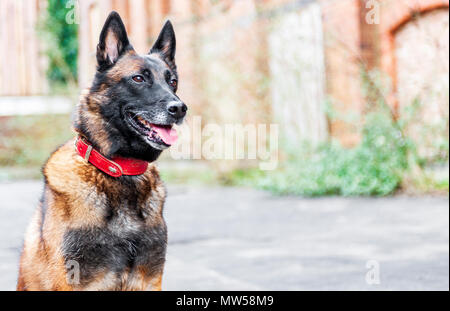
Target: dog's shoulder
{"x": 156, "y": 192}
{"x": 62, "y": 169}
{"x": 153, "y": 176}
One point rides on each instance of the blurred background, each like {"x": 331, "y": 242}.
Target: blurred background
{"x": 359, "y": 89}
{"x": 362, "y": 82}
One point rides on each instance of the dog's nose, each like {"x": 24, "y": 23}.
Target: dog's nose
{"x": 177, "y": 109}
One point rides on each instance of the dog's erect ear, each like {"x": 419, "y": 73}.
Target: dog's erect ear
{"x": 113, "y": 41}
{"x": 165, "y": 44}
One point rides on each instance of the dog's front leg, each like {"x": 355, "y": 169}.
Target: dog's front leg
{"x": 142, "y": 282}
{"x": 155, "y": 284}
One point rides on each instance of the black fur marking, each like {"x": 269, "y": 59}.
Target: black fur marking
{"x": 100, "y": 249}
{"x": 43, "y": 210}
{"x": 125, "y": 98}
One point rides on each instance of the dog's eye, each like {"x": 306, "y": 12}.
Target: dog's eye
{"x": 138, "y": 79}
{"x": 173, "y": 83}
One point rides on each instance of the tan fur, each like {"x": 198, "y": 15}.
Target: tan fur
{"x": 126, "y": 66}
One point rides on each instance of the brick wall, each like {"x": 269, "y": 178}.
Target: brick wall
{"x": 343, "y": 58}
{"x": 353, "y": 45}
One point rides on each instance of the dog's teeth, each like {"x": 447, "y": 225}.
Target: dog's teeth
{"x": 144, "y": 122}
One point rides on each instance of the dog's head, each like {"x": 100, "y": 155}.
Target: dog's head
{"x": 132, "y": 105}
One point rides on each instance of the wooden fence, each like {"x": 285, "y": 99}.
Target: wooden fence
{"x": 22, "y": 66}
{"x": 23, "y": 63}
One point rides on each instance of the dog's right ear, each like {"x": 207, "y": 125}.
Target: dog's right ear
{"x": 113, "y": 42}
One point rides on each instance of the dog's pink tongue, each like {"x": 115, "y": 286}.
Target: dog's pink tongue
{"x": 168, "y": 135}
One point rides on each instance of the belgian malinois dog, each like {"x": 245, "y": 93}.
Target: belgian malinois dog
{"x": 99, "y": 224}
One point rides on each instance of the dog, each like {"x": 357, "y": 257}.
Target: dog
{"x": 99, "y": 224}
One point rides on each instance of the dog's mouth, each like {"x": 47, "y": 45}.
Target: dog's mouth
{"x": 159, "y": 136}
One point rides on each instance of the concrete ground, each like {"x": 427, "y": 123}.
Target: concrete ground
{"x": 241, "y": 239}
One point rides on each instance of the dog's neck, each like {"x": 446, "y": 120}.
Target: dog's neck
{"x": 115, "y": 167}
{"x": 89, "y": 124}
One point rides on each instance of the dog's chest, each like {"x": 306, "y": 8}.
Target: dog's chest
{"x": 132, "y": 239}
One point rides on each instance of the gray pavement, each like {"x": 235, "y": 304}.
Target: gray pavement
{"x": 242, "y": 239}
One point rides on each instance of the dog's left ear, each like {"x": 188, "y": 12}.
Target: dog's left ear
{"x": 113, "y": 42}
{"x": 165, "y": 45}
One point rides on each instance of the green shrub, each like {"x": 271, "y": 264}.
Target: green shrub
{"x": 385, "y": 159}
{"x": 61, "y": 39}
{"x": 374, "y": 167}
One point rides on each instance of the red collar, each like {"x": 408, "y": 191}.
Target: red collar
{"x": 115, "y": 167}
